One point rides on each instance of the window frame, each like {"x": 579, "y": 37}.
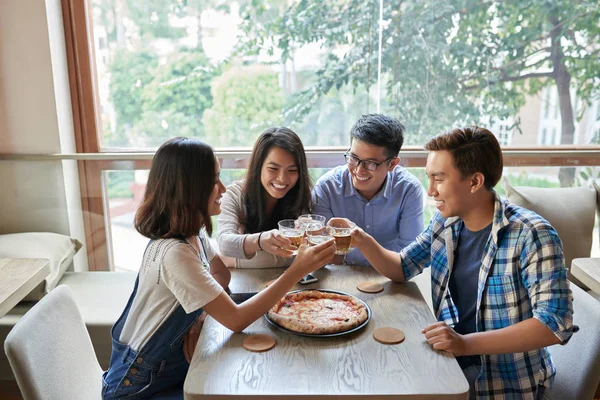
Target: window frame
{"x": 77, "y": 20}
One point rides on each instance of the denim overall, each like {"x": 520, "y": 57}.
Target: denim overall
{"x": 158, "y": 370}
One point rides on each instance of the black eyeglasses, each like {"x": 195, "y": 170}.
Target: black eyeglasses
{"x": 368, "y": 165}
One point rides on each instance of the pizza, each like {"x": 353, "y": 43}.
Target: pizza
{"x": 315, "y": 312}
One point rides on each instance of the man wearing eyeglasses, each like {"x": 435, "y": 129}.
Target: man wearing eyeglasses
{"x": 372, "y": 190}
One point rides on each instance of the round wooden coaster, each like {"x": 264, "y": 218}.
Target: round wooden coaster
{"x": 388, "y": 335}
{"x": 370, "y": 287}
{"x": 259, "y": 343}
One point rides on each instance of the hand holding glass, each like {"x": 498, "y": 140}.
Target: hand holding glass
{"x": 288, "y": 229}
{"x": 341, "y": 228}
{"x": 310, "y": 222}
{"x": 319, "y": 236}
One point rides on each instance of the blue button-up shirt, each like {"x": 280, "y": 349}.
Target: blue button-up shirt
{"x": 522, "y": 276}
{"x": 394, "y": 216}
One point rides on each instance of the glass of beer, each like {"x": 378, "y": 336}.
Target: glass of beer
{"x": 317, "y": 236}
{"x": 288, "y": 228}
{"x": 310, "y": 222}
{"x": 341, "y": 228}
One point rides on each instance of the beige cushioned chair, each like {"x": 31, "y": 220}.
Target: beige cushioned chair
{"x": 100, "y": 297}
{"x": 578, "y": 362}
{"x": 597, "y": 187}
{"x": 50, "y": 351}
{"x": 571, "y": 211}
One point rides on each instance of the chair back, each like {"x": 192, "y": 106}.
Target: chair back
{"x": 571, "y": 211}
{"x": 578, "y": 362}
{"x": 50, "y": 351}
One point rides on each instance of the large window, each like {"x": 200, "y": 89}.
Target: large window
{"x": 224, "y": 71}
{"x": 145, "y": 71}
{"x": 128, "y": 245}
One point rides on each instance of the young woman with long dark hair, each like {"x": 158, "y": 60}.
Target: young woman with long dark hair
{"x": 277, "y": 186}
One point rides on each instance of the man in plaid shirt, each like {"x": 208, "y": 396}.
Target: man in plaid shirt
{"x": 499, "y": 282}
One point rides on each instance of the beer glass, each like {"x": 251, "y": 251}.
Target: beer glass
{"x": 288, "y": 228}
{"x": 319, "y": 236}
{"x": 310, "y": 222}
{"x": 340, "y": 229}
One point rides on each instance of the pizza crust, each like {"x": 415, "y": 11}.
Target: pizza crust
{"x": 315, "y": 312}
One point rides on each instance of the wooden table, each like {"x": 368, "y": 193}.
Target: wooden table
{"x": 18, "y": 277}
{"x": 587, "y": 270}
{"x": 353, "y": 366}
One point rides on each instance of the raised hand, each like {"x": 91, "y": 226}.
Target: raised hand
{"x": 358, "y": 237}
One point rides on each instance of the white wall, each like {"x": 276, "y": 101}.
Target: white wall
{"x": 35, "y": 117}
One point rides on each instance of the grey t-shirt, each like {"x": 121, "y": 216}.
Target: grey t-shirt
{"x": 464, "y": 281}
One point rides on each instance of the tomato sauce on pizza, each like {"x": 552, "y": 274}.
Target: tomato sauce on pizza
{"x": 316, "y": 312}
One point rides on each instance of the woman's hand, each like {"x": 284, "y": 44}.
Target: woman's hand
{"x": 275, "y": 243}
{"x": 190, "y": 339}
{"x": 311, "y": 258}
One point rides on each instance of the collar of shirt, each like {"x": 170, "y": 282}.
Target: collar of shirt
{"x": 500, "y": 219}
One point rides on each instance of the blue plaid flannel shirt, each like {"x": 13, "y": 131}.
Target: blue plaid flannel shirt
{"x": 522, "y": 276}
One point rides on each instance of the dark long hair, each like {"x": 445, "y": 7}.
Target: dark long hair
{"x": 296, "y": 202}
{"x": 182, "y": 178}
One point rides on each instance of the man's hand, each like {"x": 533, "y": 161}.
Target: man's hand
{"x": 190, "y": 339}
{"x": 359, "y": 237}
{"x": 442, "y": 337}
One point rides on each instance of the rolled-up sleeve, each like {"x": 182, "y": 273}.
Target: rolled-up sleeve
{"x": 411, "y": 218}
{"x": 231, "y": 241}
{"x": 545, "y": 276}
{"x": 417, "y": 256}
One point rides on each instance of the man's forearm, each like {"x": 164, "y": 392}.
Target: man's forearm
{"x": 525, "y": 336}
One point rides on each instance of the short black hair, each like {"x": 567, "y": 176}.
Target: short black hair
{"x": 474, "y": 149}
{"x": 379, "y": 130}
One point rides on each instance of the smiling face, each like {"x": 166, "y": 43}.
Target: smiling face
{"x": 451, "y": 191}
{"x": 368, "y": 183}
{"x": 214, "y": 201}
{"x": 279, "y": 173}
